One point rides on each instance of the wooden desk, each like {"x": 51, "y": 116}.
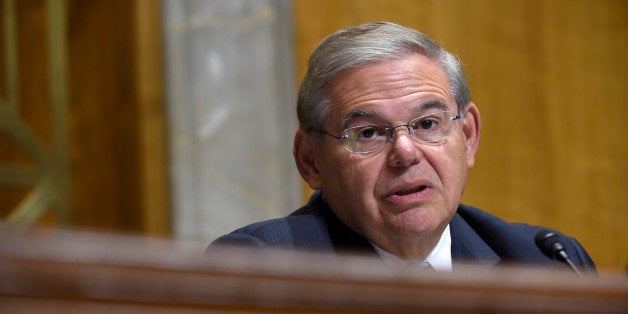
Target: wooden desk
{"x": 68, "y": 271}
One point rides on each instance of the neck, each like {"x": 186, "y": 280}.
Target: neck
{"x": 416, "y": 248}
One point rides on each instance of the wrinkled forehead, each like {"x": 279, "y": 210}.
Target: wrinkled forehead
{"x": 415, "y": 83}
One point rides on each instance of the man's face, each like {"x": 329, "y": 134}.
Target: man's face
{"x": 408, "y": 189}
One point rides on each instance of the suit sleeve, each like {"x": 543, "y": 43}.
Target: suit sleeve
{"x": 240, "y": 239}
{"x": 580, "y": 257}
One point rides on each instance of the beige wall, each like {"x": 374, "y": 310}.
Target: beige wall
{"x": 550, "y": 80}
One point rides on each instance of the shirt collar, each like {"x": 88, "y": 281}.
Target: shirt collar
{"x": 439, "y": 258}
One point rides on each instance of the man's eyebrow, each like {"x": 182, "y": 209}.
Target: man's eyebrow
{"x": 431, "y": 104}
{"x": 360, "y": 114}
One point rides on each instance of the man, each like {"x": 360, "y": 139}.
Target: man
{"x": 387, "y": 135}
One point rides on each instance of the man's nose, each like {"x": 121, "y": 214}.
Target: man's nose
{"x": 404, "y": 150}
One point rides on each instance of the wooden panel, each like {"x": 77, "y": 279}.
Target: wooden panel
{"x": 30, "y": 96}
{"x": 549, "y": 78}
{"x": 32, "y": 102}
{"x": 117, "y": 155}
{"x": 117, "y": 116}
{"x": 104, "y": 114}
{"x": 49, "y": 270}
{"x": 155, "y": 193}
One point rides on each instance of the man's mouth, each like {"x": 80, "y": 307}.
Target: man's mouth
{"x": 411, "y": 191}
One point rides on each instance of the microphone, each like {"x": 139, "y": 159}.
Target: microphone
{"x": 550, "y": 244}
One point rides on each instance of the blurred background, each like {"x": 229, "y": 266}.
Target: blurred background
{"x": 175, "y": 118}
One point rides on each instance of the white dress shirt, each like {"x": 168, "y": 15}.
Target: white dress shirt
{"x": 439, "y": 258}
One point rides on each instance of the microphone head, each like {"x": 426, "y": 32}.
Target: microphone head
{"x": 549, "y": 243}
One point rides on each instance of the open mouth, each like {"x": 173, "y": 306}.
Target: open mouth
{"x": 411, "y": 191}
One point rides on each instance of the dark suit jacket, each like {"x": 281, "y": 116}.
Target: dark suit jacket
{"x": 476, "y": 237}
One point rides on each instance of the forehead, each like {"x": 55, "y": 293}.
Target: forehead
{"x": 389, "y": 87}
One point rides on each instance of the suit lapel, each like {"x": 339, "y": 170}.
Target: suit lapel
{"x": 468, "y": 247}
{"x": 343, "y": 238}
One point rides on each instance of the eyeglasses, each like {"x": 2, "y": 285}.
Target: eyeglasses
{"x": 370, "y": 138}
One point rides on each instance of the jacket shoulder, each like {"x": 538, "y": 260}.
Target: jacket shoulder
{"x": 515, "y": 241}
{"x": 304, "y": 229}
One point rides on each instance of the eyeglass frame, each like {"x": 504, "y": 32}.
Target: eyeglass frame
{"x": 390, "y": 132}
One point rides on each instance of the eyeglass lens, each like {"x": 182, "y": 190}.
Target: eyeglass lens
{"x": 430, "y": 128}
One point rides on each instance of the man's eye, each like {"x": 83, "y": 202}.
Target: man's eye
{"x": 425, "y": 124}
{"x": 369, "y": 132}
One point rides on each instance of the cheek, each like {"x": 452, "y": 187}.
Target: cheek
{"x": 350, "y": 176}
{"x": 356, "y": 174}
{"x": 453, "y": 166}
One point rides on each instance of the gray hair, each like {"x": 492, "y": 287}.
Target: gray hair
{"x": 361, "y": 46}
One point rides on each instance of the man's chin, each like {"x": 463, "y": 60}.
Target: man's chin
{"x": 407, "y": 230}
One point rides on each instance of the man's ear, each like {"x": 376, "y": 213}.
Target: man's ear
{"x": 303, "y": 152}
{"x": 472, "y": 124}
